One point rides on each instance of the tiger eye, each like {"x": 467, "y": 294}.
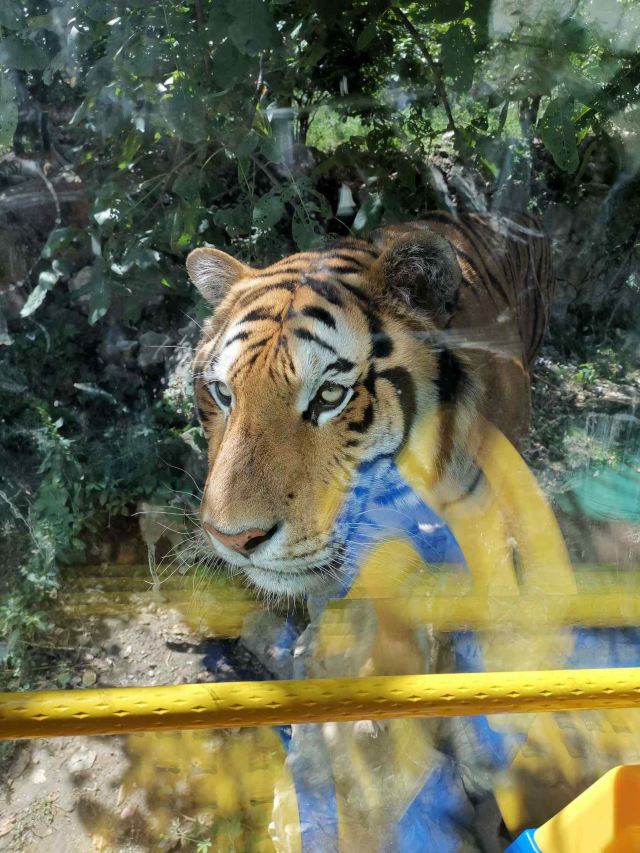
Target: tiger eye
{"x": 222, "y": 393}
{"x": 332, "y": 393}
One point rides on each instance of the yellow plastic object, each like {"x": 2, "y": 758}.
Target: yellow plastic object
{"x": 238, "y": 704}
{"x": 604, "y": 819}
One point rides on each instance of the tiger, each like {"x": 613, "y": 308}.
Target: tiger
{"x": 327, "y": 359}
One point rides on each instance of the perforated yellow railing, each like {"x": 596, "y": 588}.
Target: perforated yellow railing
{"x": 237, "y": 704}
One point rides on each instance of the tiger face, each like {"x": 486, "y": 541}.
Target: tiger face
{"x": 305, "y": 370}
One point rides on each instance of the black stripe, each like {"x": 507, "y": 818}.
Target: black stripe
{"x": 342, "y": 365}
{"x": 451, "y": 376}
{"x": 284, "y": 343}
{"x": 467, "y": 283}
{"x": 358, "y": 246}
{"x": 482, "y": 251}
{"x": 440, "y": 216}
{"x": 257, "y": 314}
{"x": 245, "y": 365}
{"x": 370, "y": 381}
{"x": 285, "y": 270}
{"x": 258, "y": 344}
{"x": 305, "y": 335}
{"x": 239, "y": 336}
{"x": 343, "y": 255}
{"x": 320, "y": 314}
{"x": 365, "y": 423}
{"x": 344, "y": 269}
{"x": 475, "y": 482}
{"x": 325, "y": 289}
{"x": 405, "y": 387}
{"x": 460, "y": 253}
{"x": 381, "y": 345}
{"x": 358, "y": 292}
{"x": 477, "y": 479}
{"x": 258, "y": 291}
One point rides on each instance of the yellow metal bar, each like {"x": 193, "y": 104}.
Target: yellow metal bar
{"x": 236, "y": 704}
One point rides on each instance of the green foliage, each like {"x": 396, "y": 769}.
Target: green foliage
{"x": 558, "y": 132}
{"x": 8, "y": 111}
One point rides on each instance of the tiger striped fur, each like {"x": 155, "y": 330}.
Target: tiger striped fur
{"x": 328, "y": 358}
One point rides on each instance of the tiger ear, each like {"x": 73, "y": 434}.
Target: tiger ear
{"x": 213, "y": 272}
{"x": 422, "y": 267}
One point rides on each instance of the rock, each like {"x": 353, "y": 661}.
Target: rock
{"x": 20, "y": 764}
{"x": 6, "y": 825}
{"x": 89, "y": 678}
{"x": 156, "y": 522}
{"x": 588, "y": 221}
{"x": 269, "y": 638}
{"x": 81, "y": 761}
{"x": 558, "y": 219}
{"x": 38, "y": 777}
{"x": 128, "y": 553}
{"x": 117, "y": 348}
{"x": 178, "y": 392}
{"x": 122, "y": 381}
{"x": 153, "y": 349}
{"x": 128, "y": 811}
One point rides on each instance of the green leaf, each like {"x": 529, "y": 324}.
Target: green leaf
{"x": 228, "y": 65}
{"x": 253, "y": 30}
{"x": 98, "y": 10}
{"x": 234, "y": 219}
{"x": 23, "y": 55}
{"x": 444, "y": 10}
{"x": 131, "y": 146}
{"x": 558, "y": 133}
{"x": 572, "y": 35}
{"x": 99, "y": 300}
{"x": 367, "y": 35}
{"x": 369, "y": 215}
{"x": 141, "y": 257}
{"x": 305, "y": 232}
{"x": 272, "y": 149}
{"x": 11, "y": 15}
{"x": 218, "y": 22}
{"x": 188, "y": 183}
{"x": 457, "y": 56}
{"x": 268, "y": 210}
{"x": 8, "y": 111}
{"x": 46, "y": 282}
{"x": 57, "y": 63}
{"x": 186, "y": 115}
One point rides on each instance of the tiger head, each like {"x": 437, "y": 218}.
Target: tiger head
{"x": 307, "y": 369}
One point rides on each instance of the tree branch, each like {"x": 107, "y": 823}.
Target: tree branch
{"x": 434, "y": 67}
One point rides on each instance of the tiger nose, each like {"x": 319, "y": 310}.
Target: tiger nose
{"x": 243, "y": 542}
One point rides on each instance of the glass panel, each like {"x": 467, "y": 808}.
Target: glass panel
{"x": 318, "y": 359}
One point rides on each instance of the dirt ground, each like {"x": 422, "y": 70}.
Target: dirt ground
{"x": 72, "y": 795}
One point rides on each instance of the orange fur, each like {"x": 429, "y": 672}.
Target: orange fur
{"x": 275, "y": 333}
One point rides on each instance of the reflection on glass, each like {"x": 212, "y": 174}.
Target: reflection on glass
{"x": 415, "y": 227}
